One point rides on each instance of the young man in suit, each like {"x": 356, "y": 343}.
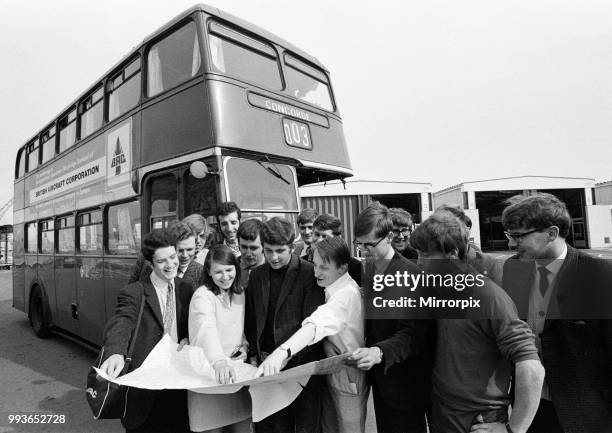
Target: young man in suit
{"x": 189, "y": 270}
{"x": 397, "y": 348}
{"x": 304, "y": 221}
{"x": 565, "y": 296}
{"x": 281, "y": 294}
{"x": 251, "y": 248}
{"x": 165, "y": 311}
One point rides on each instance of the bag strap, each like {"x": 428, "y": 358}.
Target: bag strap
{"x": 128, "y": 358}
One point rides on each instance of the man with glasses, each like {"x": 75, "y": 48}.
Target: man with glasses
{"x": 402, "y": 228}
{"x": 395, "y": 352}
{"x": 565, "y": 296}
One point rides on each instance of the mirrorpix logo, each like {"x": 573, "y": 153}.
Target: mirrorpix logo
{"x": 118, "y": 158}
{"x": 92, "y": 392}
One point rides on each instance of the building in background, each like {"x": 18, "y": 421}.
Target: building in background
{"x": 483, "y": 201}
{"x": 346, "y": 200}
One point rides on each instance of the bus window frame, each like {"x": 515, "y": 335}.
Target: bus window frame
{"x": 66, "y": 227}
{"x": 31, "y": 147}
{"x": 41, "y": 223}
{"x": 151, "y": 44}
{"x": 26, "y": 237}
{"x": 106, "y": 227}
{"x": 43, "y": 141}
{"x": 147, "y": 208}
{"x": 83, "y": 107}
{"x": 77, "y": 230}
{"x": 293, "y": 60}
{"x": 72, "y": 111}
{"x": 21, "y": 159}
{"x": 226, "y": 159}
{"x": 109, "y": 86}
{"x": 227, "y": 32}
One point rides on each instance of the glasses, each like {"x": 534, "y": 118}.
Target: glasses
{"x": 518, "y": 236}
{"x": 362, "y": 245}
{"x": 402, "y": 232}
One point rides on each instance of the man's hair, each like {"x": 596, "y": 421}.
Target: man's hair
{"x": 334, "y": 250}
{"x": 328, "y": 222}
{"x": 458, "y": 212}
{"x": 226, "y": 208}
{"x": 400, "y": 217}
{"x": 250, "y": 229}
{"x": 277, "y": 231}
{"x": 442, "y": 232}
{"x": 196, "y": 222}
{"x": 223, "y": 255}
{"x": 307, "y": 216}
{"x": 538, "y": 211}
{"x": 180, "y": 231}
{"x": 374, "y": 217}
{"x": 156, "y": 239}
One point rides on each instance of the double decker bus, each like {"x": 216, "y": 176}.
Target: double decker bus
{"x": 209, "y": 108}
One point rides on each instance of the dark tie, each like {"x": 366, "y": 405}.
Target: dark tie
{"x": 169, "y": 314}
{"x": 543, "y": 279}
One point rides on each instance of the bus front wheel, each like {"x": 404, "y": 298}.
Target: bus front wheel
{"x": 37, "y": 313}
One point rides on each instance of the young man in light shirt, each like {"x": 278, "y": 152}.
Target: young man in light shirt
{"x": 228, "y": 218}
{"x": 341, "y": 320}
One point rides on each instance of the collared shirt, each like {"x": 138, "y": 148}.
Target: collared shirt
{"x": 245, "y": 271}
{"x": 181, "y": 271}
{"x": 201, "y": 256}
{"x": 381, "y": 265}
{"x": 341, "y": 318}
{"x": 538, "y": 304}
{"x": 234, "y": 247}
{"x": 161, "y": 289}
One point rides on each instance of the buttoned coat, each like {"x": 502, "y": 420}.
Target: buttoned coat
{"x": 120, "y": 327}
{"x": 299, "y": 296}
{"x": 577, "y": 337}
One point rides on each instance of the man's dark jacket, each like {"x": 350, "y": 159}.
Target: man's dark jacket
{"x": 119, "y": 330}
{"x": 404, "y": 377}
{"x": 299, "y": 296}
{"x": 577, "y": 337}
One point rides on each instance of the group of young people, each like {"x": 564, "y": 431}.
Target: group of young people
{"x": 525, "y": 360}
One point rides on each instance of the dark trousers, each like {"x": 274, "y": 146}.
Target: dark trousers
{"x": 301, "y": 416}
{"x": 392, "y": 420}
{"x": 168, "y": 414}
{"x": 546, "y": 420}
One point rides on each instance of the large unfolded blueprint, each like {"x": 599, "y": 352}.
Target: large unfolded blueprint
{"x": 166, "y": 368}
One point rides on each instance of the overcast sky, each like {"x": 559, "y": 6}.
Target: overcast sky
{"x": 429, "y": 91}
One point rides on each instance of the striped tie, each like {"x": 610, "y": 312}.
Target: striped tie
{"x": 169, "y": 314}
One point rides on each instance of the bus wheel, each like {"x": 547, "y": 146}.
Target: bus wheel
{"x": 37, "y": 313}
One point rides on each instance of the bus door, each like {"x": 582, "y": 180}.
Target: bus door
{"x": 65, "y": 314}
{"x": 161, "y": 200}
{"x": 89, "y": 273}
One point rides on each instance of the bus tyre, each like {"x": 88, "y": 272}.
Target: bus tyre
{"x": 38, "y": 314}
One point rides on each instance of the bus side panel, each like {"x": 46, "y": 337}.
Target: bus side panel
{"x": 31, "y": 274}
{"x": 176, "y": 125}
{"x": 46, "y": 277}
{"x": 90, "y": 296}
{"x": 65, "y": 294}
{"x": 19, "y": 287}
{"x": 116, "y": 274}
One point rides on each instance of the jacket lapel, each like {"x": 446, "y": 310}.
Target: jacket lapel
{"x": 292, "y": 271}
{"x": 263, "y": 300}
{"x": 563, "y": 285}
{"x": 153, "y": 302}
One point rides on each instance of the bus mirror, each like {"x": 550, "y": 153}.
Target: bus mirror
{"x": 198, "y": 169}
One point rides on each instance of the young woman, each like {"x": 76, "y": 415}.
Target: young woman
{"x": 341, "y": 320}
{"x": 216, "y": 322}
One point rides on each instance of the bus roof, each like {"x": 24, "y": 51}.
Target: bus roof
{"x": 197, "y": 8}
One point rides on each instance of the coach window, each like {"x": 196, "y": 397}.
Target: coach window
{"x": 124, "y": 228}
{"x": 31, "y": 238}
{"x": 47, "y": 142}
{"x": 124, "y": 90}
{"x": 163, "y": 201}
{"x": 65, "y": 234}
{"x": 307, "y": 83}
{"x": 21, "y": 163}
{"x": 67, "y": 130}
{"x": 33, "y": 155}
{"x": 239, "y": 55}
{"x": 173, "y": 60}
{"x": 90, "y": 232}
{"x": 91, "y": 111}
{"x": 46, "y": 237}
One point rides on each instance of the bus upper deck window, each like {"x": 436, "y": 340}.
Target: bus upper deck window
{"x": 21, "y": 163}
{"x": 173, "y": 60}
{"x": 241, "y": 56}
{"x": 48, "y": 144}
{"x": 124, "y": 90}
{"x": 33, "y": 155}
{"x": 308, "y": 83}
{"x": 67, "y": 130}
{"x": 92, "y": 111}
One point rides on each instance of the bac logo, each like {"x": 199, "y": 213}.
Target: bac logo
{"x": 92, "y": 392}
{"x": 118, "y": 149}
